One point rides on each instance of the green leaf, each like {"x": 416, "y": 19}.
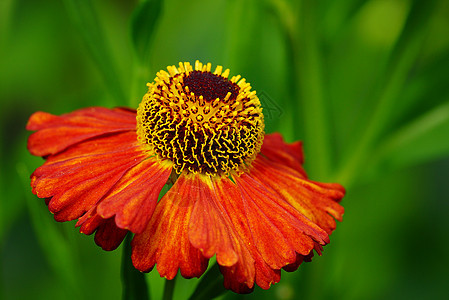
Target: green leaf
{"x": 55, "y": 247}
{"x": 134, "y": 283}
{"x": 6, "y": 13}
{"x": 210, "y": 286}
{"x": 423, "y": 139}
{"x": 143, "y": 27}
{"x": 84, "y": 16}
{"x": 401, "y": 61}
{"x": 311, "y": 95}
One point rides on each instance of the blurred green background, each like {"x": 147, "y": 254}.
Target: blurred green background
{"x": 364, "y": 83}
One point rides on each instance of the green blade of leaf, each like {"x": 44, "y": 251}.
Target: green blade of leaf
{"x": 312, "y": 89}
{"x": 402, "y": 58}
{"x": 210, "y": 286}
{"x": 58, "y": 253}
{"x": 6, "y": 9}
{"x": 422, "y": 139}
{"x": 299, "y": 21}
{"x": 143, "y": 27}
{"x": 134, "y": 283}
{"x": 85, "y": 18}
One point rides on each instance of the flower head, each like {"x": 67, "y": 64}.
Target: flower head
{"x": 201, "y": 121}
{"x": 237, "y": 194}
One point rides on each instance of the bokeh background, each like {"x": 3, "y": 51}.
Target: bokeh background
{"x": 364, "y": 83}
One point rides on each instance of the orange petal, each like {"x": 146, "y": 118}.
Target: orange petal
{"x": 97, "y": 146}
{"x": 76, "y": 183}
{"x": 230, "y": 219}
{"x": 316, "y": 201}
{"x": 250, "y": 267}
{"x": 165, "y": 240}
{"x": 135, "y": 195}
{"x": 209, "y": 229}
{"x": 291, "y": 155}
{"x": 226, "y": 219}
{"x": 279, "y": 230}
{"x": 56, "y": 133}
{"x": 213, "y": 230}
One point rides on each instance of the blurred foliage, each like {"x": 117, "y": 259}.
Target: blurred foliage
{"x": 364, "y": 83}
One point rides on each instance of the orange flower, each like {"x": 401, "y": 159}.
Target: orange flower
{"x": 237, "y": 193}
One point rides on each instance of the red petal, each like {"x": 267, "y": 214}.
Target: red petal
{"x": 291, "y": 155}
{"x": 108, "y": 236}
{"x": 90, "y": 221}
{"x": 165, "y": 240}
{"x": 316, "y": 201}
{"x": 56, "y": 133}
{"x": 135, "y": 195}
{"x": 76, "y": 180}
{"x": 231, "y": 283}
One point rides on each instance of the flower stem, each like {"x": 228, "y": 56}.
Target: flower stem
{"x": 169, "y": 289}
{"x": 134, "y": 283}
{"x": 210, "y": 285}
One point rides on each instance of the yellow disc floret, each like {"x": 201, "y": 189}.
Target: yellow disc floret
{"x": 202, "y": 121}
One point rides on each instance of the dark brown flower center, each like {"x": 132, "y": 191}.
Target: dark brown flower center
{"x": 210, "y": 86}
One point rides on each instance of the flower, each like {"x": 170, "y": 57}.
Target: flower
{"x": 237, "y": 193}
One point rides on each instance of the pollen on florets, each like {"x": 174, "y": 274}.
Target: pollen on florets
{"x": 203, "y": 122}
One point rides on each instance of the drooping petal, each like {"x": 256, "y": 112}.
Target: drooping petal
{"x": 212, "y": 230}
{"x": 299, "y": 260}
{"x": 107, "y": 235}
{"x": 165, "y": 240}
{"x": 135, "y": 195}
{"x": 279, "y": 230}
{"x": 76, "y": 180}
{"x": 276, "y": 149}
{"x": 56, "y": 133}
{"x": 246, "y": 220}
{"x": 251, "y": 267}
{"x": 317, "y": 201}
{"x": 209, "y": 230}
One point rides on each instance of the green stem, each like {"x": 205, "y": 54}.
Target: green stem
{"x": 134, "y": 283}
{"x": 210, "y": 285}
{"x": 169, "y": 289}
